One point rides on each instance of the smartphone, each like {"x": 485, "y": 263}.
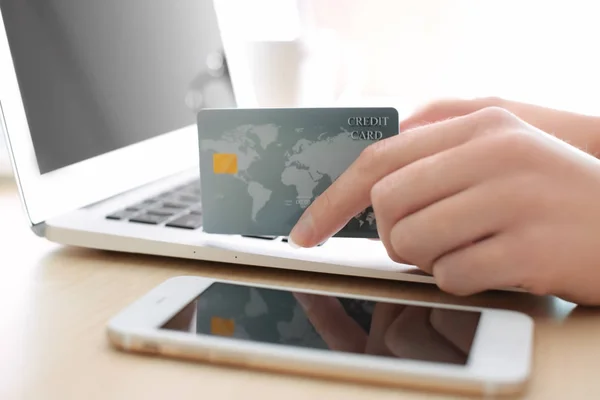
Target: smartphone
{"x": 331, "y": 335}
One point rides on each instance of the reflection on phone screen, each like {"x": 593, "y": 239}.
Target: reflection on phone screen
{"x": 330, "y": 323}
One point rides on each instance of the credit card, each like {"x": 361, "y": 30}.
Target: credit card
{"x": 261, "y": 168}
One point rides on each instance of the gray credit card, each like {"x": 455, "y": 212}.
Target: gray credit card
{"x": 261, "y": 168}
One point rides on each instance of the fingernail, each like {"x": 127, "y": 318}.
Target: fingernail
{"x": 302, "y": 232}
{"x": 292, "y": 243}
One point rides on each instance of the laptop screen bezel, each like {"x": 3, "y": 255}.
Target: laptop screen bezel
{"x": 78, "y": 185}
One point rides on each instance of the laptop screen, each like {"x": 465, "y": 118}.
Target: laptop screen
{"x": 96, "y": 76}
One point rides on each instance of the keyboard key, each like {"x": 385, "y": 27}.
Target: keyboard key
{"x": 164, "y": 211}
{"x": 173, "y": 204}
{"x": 162, "y": 195}
{"x": 186, "y": 198}
{"x": 164, "y": 207}
{"x": 189, "y": 221}
{"x": 149, "y": 219}
{"x": 123, "y": 214}
{"x": 142, "y": 205}
{"x": 260, "y": 237}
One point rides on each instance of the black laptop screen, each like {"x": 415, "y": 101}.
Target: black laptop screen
{"x": 99, "y": 75}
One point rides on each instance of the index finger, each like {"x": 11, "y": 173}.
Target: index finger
{"x": 351, "y": 192}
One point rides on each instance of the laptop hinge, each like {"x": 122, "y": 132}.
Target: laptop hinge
{"x": 39, "y": 229}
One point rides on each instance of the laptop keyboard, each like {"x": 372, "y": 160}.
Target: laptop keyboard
{"x": 179, "y": 207}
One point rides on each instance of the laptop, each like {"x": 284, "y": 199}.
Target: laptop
{"x": 98, "y": 103}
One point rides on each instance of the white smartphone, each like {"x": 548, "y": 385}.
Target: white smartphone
{"x": 376, "y": 340}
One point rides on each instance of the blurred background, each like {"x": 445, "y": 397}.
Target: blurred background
{"x": 404, "y": 53}
{"x": 531, "y": 50}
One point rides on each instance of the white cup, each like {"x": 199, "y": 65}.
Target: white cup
{"x": 275, "y": 71}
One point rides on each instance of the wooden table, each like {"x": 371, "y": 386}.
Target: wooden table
{"x": 55, "y": 302}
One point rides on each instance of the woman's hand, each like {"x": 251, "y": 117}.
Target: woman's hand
{"x": 403, "y": 331}
{"x": 481, "y": 201}
{"x": 581, "y": 131}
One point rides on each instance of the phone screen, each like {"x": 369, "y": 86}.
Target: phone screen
{"x": 330, "y": 323}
